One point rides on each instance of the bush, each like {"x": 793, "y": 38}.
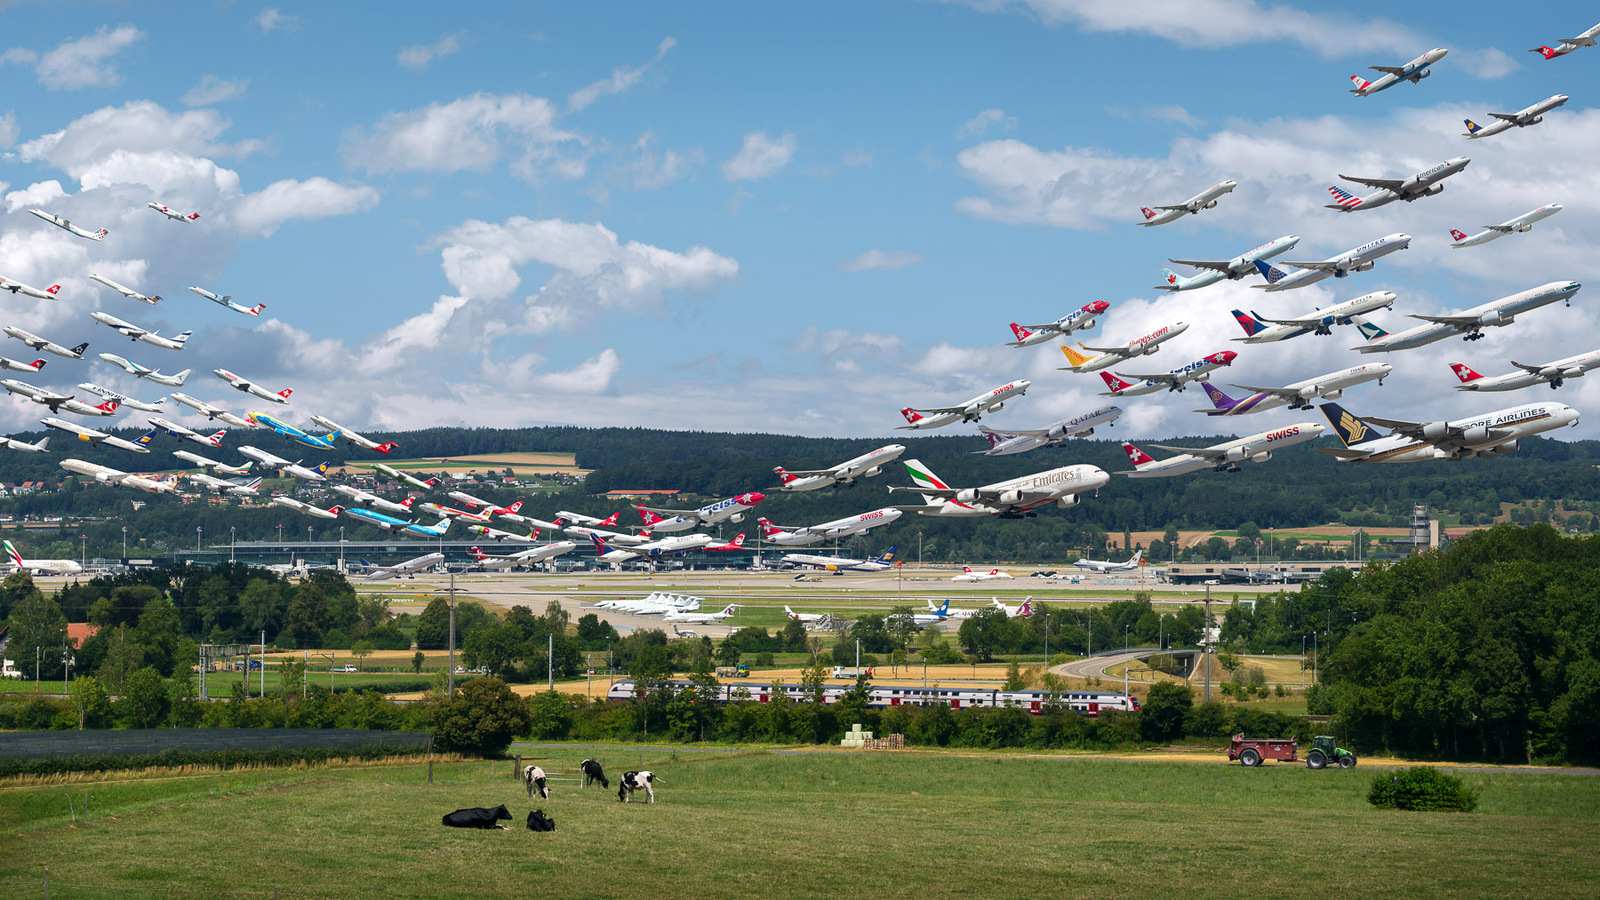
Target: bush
{"x": 483, "y": 717}
{"x": 1422, "y": 789}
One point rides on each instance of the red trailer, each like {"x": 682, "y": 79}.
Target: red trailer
{"x": 1251, "y": 751}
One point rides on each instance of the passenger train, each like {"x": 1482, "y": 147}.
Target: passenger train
{"x": 1089, "y": 703}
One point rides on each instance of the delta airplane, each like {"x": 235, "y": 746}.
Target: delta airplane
{"x": 1488, "y": 435}
{"x": 700, "y": 618}
{"x": 1224, "y": 457}
{"x": 140, "y": 444}
{"x": 212, "y": 464}
{"x": 326, "y": 442}
{"x": 58, "y": 402}
{"x": 39, "y": 343}
{"x": 1021, "y": 440}
{"x": 41, "y": 566}
{"x": 1096, "y": 565}
{"x": 228, "y": 302}
{"x": 139, "y": 334}
{"x": 172, "y": 213}
{"x": 12, "y": 443}
{"x": 278, "y": 463}
{"x": 133, "y": 368}
{"x": 357, "y": 495}
{"x": 17, "y": 287}
{"x": 836, "y": 564}
{"x": 864, "y": 466}
{"x": 66, "y": 224}
{"x": 125, "y": 291}
{"x": 352, "y": 437}
{"x": 970, "y": 411}
{"x": 224, "y": 486}
{"x": 1261, "y": 330}
{"x": 121, "y": 398}
{"x": 838, "y": 528}
{"x": 1359, "y": 259}
{"x": 968, "y": 576}
{"x": 1081, "y": 318}
{"x": 249, "y": 387}
{"x": 1523, "y": 223}
{"x": 529, "y": 557}
{"x": 1531, "y": 115}
{"x": 396, "y": 526}
{"x": 189, "y": 434}
{"x": 1413, "y": 71}
{"x": 403, "y": 478}
{"x": 1199, "y": 370}
{"x": 15, "y": 366}
{"x": 1471, "y": 322}
{"x": 1110, "y": 356}
{"x": 1010, "y": 498}
{"x": 731, "y": 509}
{"x": 1232, "y": 269}
{"x": 290, "y": 503}
{"x": 1567, "y": 45}
{"x": 215, "y": 413}
{"x": 1423, "y": 184}
{"x": 1554, "y": 374}
{"x": 1206, "y": 199}
{"x": 108, "y": 475}
{"x": 1296, "y": 396}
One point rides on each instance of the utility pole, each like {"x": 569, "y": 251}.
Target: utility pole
{"x": 1205, "y": 644}
{"x": 550, "y": 661}
{"x": 263, "y": 663}
{"x": 450, "y": 688}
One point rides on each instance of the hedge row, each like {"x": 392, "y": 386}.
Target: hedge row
{"x": 224, "y": 759}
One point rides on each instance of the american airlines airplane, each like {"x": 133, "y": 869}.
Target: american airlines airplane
{"x": 1413, "y": 71}
{"x": 1522, "y": 223}
{"x": 140, "y": 334}
{"x": 1299, "y": 395}
{"x": 1082, "y": 318}
{"x": 1010, "y": 498}
{"x": 125, "y": 291}
{"x": 1110, "y": 356}
{"x": 1096, "y": 565}
{"x": 1206, "y": 199}
{"x": 970, "y": 411}
{"x": 1491, "y": 434}
{"x": 838, "y": 528}
{"x": 1522, "y": 118}
{"x": 1359, "y": 259}
{"x": 1199, "y": 370}
{"x": 1471, "y": 322}
{"x": 1232, "y": 269}
{"x": 1021, "y": 440}
{"x": 67, "y": 225}
{"x": 1567, "y": 45}
{"x": 1423, "y": 184}
{"x": 1554, "y": 374}
{"x": 864, "y": 466}
{"x": 1259, "y": 329}
{"x": 1224, "y": 457}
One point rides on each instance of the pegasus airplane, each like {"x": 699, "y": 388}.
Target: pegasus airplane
{"x": 1567, "y": 45}
{"x": 1218, "y": 269}
{"x": 1110, "y": 356}
{"x": 838, "y": 528}
{"x": 1359, "y": 259}
{"x": 1224, "y": 457}
{"x": 1199, "y": 370}
{"x": 228, "y": 302}
{"x": 1531, "y": 115}
{"x": 970, "y": 411}
{"x": 1081, "y": 318}
{"x": 1296, "y": 396}
{"x": 864, "y": 466}
{"x": 138, "y": 371}
{"x": 1206, "y": 199}
{"x": 731, "y": 509}
{"x": 1554, "y": 374}
{"x": 125, "y": 291}
{"x": 1010, "y": 498}
{"x": 1491, "y": 434}
{"x": 1413, "y": 71}
{"x": 66, "y": 224}
{"x": 326, "y": 442}
{"x": 1522, "y": 223}
{"x": 1426, "y": 183}
{"x": 1021, "y": 440}
{"x": 1259, "y": 329}
{"x": 1471, "y": 322}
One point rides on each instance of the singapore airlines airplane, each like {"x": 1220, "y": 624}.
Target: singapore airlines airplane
{"x": 1488, "y": 435}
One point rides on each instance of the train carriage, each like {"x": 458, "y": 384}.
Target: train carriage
{"x": 1089, "y": 703}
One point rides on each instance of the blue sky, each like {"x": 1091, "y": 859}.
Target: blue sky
{"x": 751, "y": 217}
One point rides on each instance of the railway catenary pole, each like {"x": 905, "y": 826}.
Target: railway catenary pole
{"x": 1205, "y": 644}
{"x": 263, "y": 664}
{"x": 450, "y": 686}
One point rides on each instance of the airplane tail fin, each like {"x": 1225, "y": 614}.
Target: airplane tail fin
{"x": 767, "y": 528}
{"x": 1472, "y": 127}
{"x": 182, "y": 338}
{"x": 783, "y": 475}
{"x": 923, "y": 475}
{"x": 1115, "y": 384}
{"x": 1249, "y": 322}
{"x": 334, "y": 510}
{"x": 52, "y": 289}
{"x": 78, "y": 350}
{"x": 285, "y": 393}
{"x": 728, "y": 610}
{"x": 1021, "y": 333}
{"x": 192, "y": 216}
{"x": 1026, "y": 609}
{"x": 110, "y": 406}
{"x": 385, "y": 447}
{"x": 1343, "y": 199}
{"x": 38, "y": 364}
{"x": 478, "y": 555}
{"x": 1273, "y": 274}
{"x": 514, "y": 507}
{"x": 1457, "y": 235}
{"x": 16, "y": 558}
{"x": 216, "y": 437}
{"x": 1369, "y": 330}
{"x": 144, "y": 440}
{"x": 995, "y": 439}
{"x": 408, "y": 501}
{"x": 887, "y": 557}
{"x": 967, "y": 569}
{"x": 1219, "y": 397}
{"x": 42, "y": 442}
{"x": 610, "y": 520}
{"x": 600, "y": 547}
{"x": 1171, "y": 278}
{"x": 256, "y": 310}
{"x": 649, "y": 517}
{"x": 1349, "y": 428}
{"x": 1138, "y": 457}
{"x": 1074, "y": 357}
{"x": 321, "y": 469}
{"x": 101, "y": 234}
{"x": 944, "y": 608}
{"x": 1148, "y": 213}
{"x": 912, "y": 416}
{"x": 1464, "y": 372}
{"x": 738, "y": 541}
{"x": 1546, "y": 52}
{"x": 1360, "y": 83}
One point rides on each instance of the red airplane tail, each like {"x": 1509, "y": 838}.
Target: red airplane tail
{"x": 649, "y": 517}
{"x": 1464, "y": 372}
{"x": 385, "y": 447}
{"x": 285, "y": 393}
{"x": 52, "y": 289}
{"x": 1021, "y": 333}
{"x": 610, "y": 520}
{"x": 1115, "y": 384}
{"x": 1136, "y": 456}
{"x": 1457, "y": 235}
{"x": 737, "y": 542}
{"x": 912, "y": 416}
{"x": 109, "y": 406}
{"x": 767, "y": 528}
{"x": 1546, "y": 52}
{"x": 408, "y": 501}
{"x": 1360, "y": 83}
{"x": 1148, "y": 212}
{"x": 783, "y": 475}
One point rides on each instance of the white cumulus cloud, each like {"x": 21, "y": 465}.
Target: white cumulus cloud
{"x": 979, "y": 125}
{"x": 760, "y": 156}
{"x": 272, "y": 19}
{"x": 314, "y": 198}
{"x": 468, "y": 134}
{"x": 79, "y": 63}
{"x": 416, "y": 57}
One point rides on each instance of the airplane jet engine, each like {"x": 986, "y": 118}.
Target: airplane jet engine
{"x": 736, "y": 517}
{"x": 1067, "y": 502}
{"x": 1263, "y": 456}
{"x": 1500, "y": 450}
{"x": 1476, "y": 435}
{"x": 1434, "y": 189}
{"x": 1533, "y": 121}
{"x": 872, "y": 471}
{"x": 1421, "y": 75}
{"x": 1011, "y": 497}
{"x": 1211, "y": 205}
{"x": 1494, "y": 317}
{"x": 1434, "y": 430}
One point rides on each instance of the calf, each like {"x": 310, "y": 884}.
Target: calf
{"x": 538, "y": 821}
{"x": 632, "y": 781}
{"x": 534, "y": 776}
{"x": 592, "y": 772}
{"x": 478, "y": 817}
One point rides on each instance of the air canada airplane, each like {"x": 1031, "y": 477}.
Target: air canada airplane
{"x": 838, "y": 528}
{"x": 125, "y": 291}
{"x": 1491, "y": 434}
{"x": 1423, "y": 184}
{"x": 864, "y": 466}
{"x": 1413, "y": 71}
{"x": 1554, "y": 374}
{"x": 1012, "y": 497}
{"x": 67, "y": 225}
{"x": 1082, "y": 318}
{"x": 970, "y": 411}
{"x": 1531, "y": 115}
{"x": 1021, "y": 440}
{"x": 1358, "y": 259}
{"x": 1223, "y": 457}
{"x": 1218, "y": 269}
{"x": 1107, "y": 357}
{"x": 1471, "y": 322}
{"x": 1206, "y": 199}
{"x": 1259, "y": 329}
{"x": 1522, "y": 223}
{"x": 1567, "y": 45}
{"x": 1096, "y": 565}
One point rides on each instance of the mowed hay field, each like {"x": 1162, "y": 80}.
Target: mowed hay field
{"x": 830, "y": 824}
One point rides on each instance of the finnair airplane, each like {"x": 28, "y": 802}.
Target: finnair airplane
{"x": 1423, "y": 184}
{"x": 172, "y": 213}
{"x": 227, "y": 301}
{"x": 1413, "y": 71}
{"x": 1199, "y": 370}
{"x": 1096, "y": 565}
{"x": 125, "y": 291}
{"x": 141, "y": 334}
{"x": 133, "y": 368}
{"x": 1082, "y": 318}
{"x": 17, "y": 287}
{"x": 121, "y": 398}
{"x": 864, "y": 466}
{"x": 1567, "y": 45}
{"x": 1021, "y": 440}
{"x": 731, "y": 510}
{"x": 1259, "y": 329}
{"x": 1521, "y": 223}
{"x": 1296, "y": 396}
{"x": 970, "y": 411}
{"x": 1206, "y": 199}
{"x": 1110, "y": 356}
{"x": 1471, "y": 322}
{"x": 1218, "y": 269}
{"x": 1359, "y": 259}
{"x": 1522, "y": 118}
{"x": 838, "y": 528}
{"x": 1224, "y": 457}
{"x": 1554, "y": 374}
{"x": 968, "y": 576}
{"x": 215, "y": 413}
{"x": 835, "y": 564}
{"x": 108, "y": 475}
{"x": 66, "y": 224}
{"x": 1010, "y": 498}
{"x": 1488, "y": 435}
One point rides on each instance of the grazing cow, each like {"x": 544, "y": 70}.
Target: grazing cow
{"x": 538, "y": 821}
{"x": 592, "y": 772}
{"x": 478, "y": 817}
{"x": 632, "y": 781}
{"x": 534, "y": 776}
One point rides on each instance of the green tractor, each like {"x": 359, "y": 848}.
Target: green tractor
{"x": 1325, "y": 752}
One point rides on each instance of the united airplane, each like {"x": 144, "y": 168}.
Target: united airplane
{"x": 58, "y": 402}
{"x": 1522, "y": 118}
{"x": 1295, "y": 396}
{"x": 250, "y": 387}
{"x": 1423, "y": 184}
{"x": 172, "y": 213}
{"x": 1021, "y": 440}
{"x": 1199, "y": 370}
{"x": 1259, "y": 329}
{"x": 133, "y": 368}
{"x": 121, "y": 398}
{"x": 15, "y": 366}
{"x": 308, "y": 509}
{"x": 1413, "y": 71}
{"x": 1567, "y": 45}
{"x": 140, "y": 444}
{"x": 141, "y": 334}
{"x": 1522, "y": 223}
{"x": 280, "y": 464}
{"x": 108, "y": 475}
{"x": 1080, "y": 319}
{"x": 1359, "y": 259}
{"x": 1491, "y": 434}
{"x": 1097, "y": 565}
{"x": 731, "y": 509}
{"x": 1554, "y": 374}
{"x": 1010, "y": 498}
{"x": 126, "y": 291}
{"x": 834, "y": 564}
{"x": 970, "y": 411}
{"x": 212, "y": 464}
{"x": 1110, "y": 356}
{"x": 67, "y": 225}
{"x": 864, "y": 466}
{"x": 326, "y": 442}
{"x": 228, "y": 302}
{"x": 189, "y": 434}
{"x": 1223, "y": 457}
{"x": 799, "y": 537}
{"x": 11, "y": 443}
{"x": 17, "y": 287}
{"x": 1471, "y": 322}
{"x": 351, "y": 437}
{"x": 398, "y": 526}
{"x": 215, "y": 413}
{"x": 1218, "y": 269}
{"x": 1206, "y": 199}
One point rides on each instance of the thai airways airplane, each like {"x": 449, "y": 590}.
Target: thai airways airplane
{"x": 1522, "y": 118}
{"x": 1413, "y": 71}
{"x": 39, "y": 343}
{"x": 41, "y": 566}
{"x": 1471, "y": 322}
{"x": 125, "y": 291}
{"x": 1567, "y": 45}
{"x": 122, "y": 398}
{"x": 1206, "y": 199}
{"x": 1082, "y": 318}
{"x": 1359, "y": 259}
{"x": 108, "y": 475}
{"x": 250, "y": 387}
{"x": 1218, "y": 269}
{"x": 1199, "y": 370}
{"x": 352, "y": 437}
{"x": 176, "y": 430}
{"x": 1021, "y": 440}
{"x": 1491, "y": 434}
{"x": 173, "y": 214}
{"x": 326, "y": 442}
{"x": 1299, "y": 395}
{"x": 1554, "y": 374}
{"x": 731, "y": 509}
{"x": 1423, "y": 184}
{"x": 968, "y": 576}
{"x": 864, "y": 466}
{"x": 837, "y": 564}
{"x": 227, "y": 300}
{"x": 1523, "y": 223}
{"x": 140, "y": 334}
{"x": 970, "y": 411}
{"x": 1224, "y": 457}
{"x": 838, "y": 528}
{"x": 1110, "y": 356}
{"x": 1261, "y": 330}
{"x": 133, "y": 368}
{"x": 215, "y": 413}
{"x": 1010, "y": 498}
{"x": 1096, "y": 565}
{"x": 59, "y": 222}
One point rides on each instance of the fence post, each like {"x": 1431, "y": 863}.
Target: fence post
{"x": 516, "y": 767}
{"x": 46, "y": 883}
{"x": 430, "y": 771}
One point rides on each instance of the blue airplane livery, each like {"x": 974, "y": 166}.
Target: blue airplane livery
{"x": 326, "y": 442}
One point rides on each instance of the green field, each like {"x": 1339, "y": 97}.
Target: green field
{"x": 810, "y": 825}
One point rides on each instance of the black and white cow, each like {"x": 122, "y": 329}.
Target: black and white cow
{"x": 534, "y": 777}
{"x": 538, "y": 821}
{"x": 478, "y": 817}
{"x": 633, "y": 781}
{"x": 592, "y": 772}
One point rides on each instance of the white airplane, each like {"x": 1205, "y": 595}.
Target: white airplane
{"x": 403, "y": 478}
{"x": 731, "y": 509}
{"x": 968, "y": 576}
{"x": 945, "y": 610}
{"x": 108, "y": 475}
{"x": 172, "y": 213}
{"x": 17, "y": 287}
{"x": 1200, "y": 370}
{"x": 1110, "y": 356}
{"x": 1218, "y": 269}
{"x": 804, "y": 618}
{"x": 250, "y": 387}
{"x": 666, "y": 546}
{"x": 1081, "y": 318}
{"x": 1012, "y": 497}
{"x": 529, "y": 557}
{"x": 122, "y": 398}
{"x": 126, "y": 291}
{"x": 212, "y": 464}
{"x": 41, "y": 566}
{"x": 970, "y": 411}
{"x": 1224, "y": 457}
{"x": 141, "y": 334}
{"x": 59, "y": 222}
{"x": 1471, "y": 322}
{"x": 228, "y": 302}
{"x": 1423, "y": 184}
{"x": 1522, "y": 118}
{"x": 1554, "y": 374}
{"x": 133, "y": 368}
{"x": 1567, "y": 45}
{"x": 1259, "y": 329}
{"x": 610, "y": 537}
{"x": 224, "y": 486}
{"x": 380, "y": 573}
{"x": 686, "y": 634}
{"x": 1523, "y": 223}
{"x": 493, "y": 534}
{"x": 864, "y": 466}
{"x": 1097, "y": 565}
{"x": 1413, "y": 71}
{"x": 839, "y": 563}
{"x": 933, "y": 616}
{"x": 308, "y": 509}
{"x": 39, "y": 343}
{"x": 140, "y": 444}
{"x": 15, "y": 366}
{"x": 215, "y": 413}
{"x": 449, "y": 513}
{"x": 280, "y": 464}
{"x": 179, "y": 431}
{"x": 1359, "y": 259}
{"x": 357, "y": 495}
{"x": 490, "y": 508}
{"x": 1299, "y": 395}
{"x": 352, "y": 437}
{"x": 1023, "y": 609}
{"x": 1021, "y": 440}
{"x": 12, "y": 443}
{"x": 799, "y": 537}
{"x": 701, "y": 618}
{"x": 1491, "y": 434}
{"x": 58, "y": 402}
{"x": 1206, "y": 199}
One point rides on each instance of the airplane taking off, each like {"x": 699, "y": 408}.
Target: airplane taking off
{"x": 11, "y": 443}
{"x": 1223, "y": 457}
{"x": 1096, "y": 565}
{"x": 351, "y": 437}
{"x": 58, "y": 402}
{"x": 280, "y": 464}
{"x": 731, "y": 509}
{"x": 968, "y": 576}
{"x": 228, "y": 302}
{"x": 970, "y": 411}
{"x": 39, "y": 343}
{"x": 1021, "y": 440}
{"x": 412, "y": 480}
{"x": 834, "y": 564}
{"x": 397, "y": 526}
{"x": 1554, "y": 374}
{"x": 1471, "y": 322}
{"x": 15, "y": 366}
{"x": 357, "y": 495}
{"x": 139, "y": 444}
{"x": 529, "y": 557}
{"x": 1206, "y": 199}
{"x": 250, "y": 387}
{"x": 1081, "y": 318}
{"x": 1423, "y": 184}
{"x": 1010, "y": 498}
{"x": 1567, "y": 45}
{"x": 121, "y": 398}
{"x": 133, "y": 368}
{"x": 1491, "y": 434}
{"x": 1531, "y": 115}
{"x": 1296, "y": 396}
{"x": 494, "y": 534}
{"x": 463, "y": 515}
{"x": 1522, "y": 223}
{"x": 380, "y": 573}
{"x": 17, "y": 287}
{"x": 785, "y": 536}
{"x": 141, "y": 334}
{"x": 1261, "y": 330}
{"x": 864, "y": 466}
{"x": 326, "y": 442}
{"x": 215, "y": 413}
{"x": 1232, "y": 269}
{"x": 176, "y": 430}
{"x": 224, "y": 486}
{"x": 1110, "y": 356}
{"x": 1199, "y": 370}
{"x": 66, "y": 224}
{"x": 172, "y": 213}
{"x": 667, "y": 546}
{"x": 108, "y": 475}
{"x": 212, "y": 464}
{"x": 1413, "y": 71}
{"x": 41, "y": 566}
{"x": 1359, "y": 259}
{"x": 290, "y": 503}
{"x": 125, "y": 291}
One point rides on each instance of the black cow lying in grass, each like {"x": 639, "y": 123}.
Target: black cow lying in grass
{"x": 478, "y": 817}
{"x": 534, "y": 777}
{"x": 633, "y": 781}
{"x": 592, "y": 772}
{"x": 538, "y": 821}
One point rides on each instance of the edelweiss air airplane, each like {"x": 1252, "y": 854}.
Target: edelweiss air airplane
{"x": 249, "y": 387}
{"x": 1423, "y": 184}
{"x": 1523, "y": 223}
{"x": 1296, "y": 396}
{"x": 1021, "y": 440}
{"x": 212, "y": 464}
{"x": 836, "y": 564}
{"x": 133, "y": 368}
{"x": 228, "y": 302}
{"x": 215, "y": 413}
{"x": 189, "y": 434}
{"x": 970, "y": 411}
{"x": 1082, "y": 318}
{"x": 1554, "y": 374}
{"x": 11, "y": 443}
{"x": 357, "y": 495}
{"x": 125, "y": 291}
{"x": 15, "y": 366}
{"x": 799, "y": 537}
{"x": 398, "y": 526}
{"x": 1199, "y": 370}
{"x": 17, "y": 287}
{"x": 700, "y": 618}
{"x": 1096, "y": 565}
{"x": 67, "y": 225}
{"x": 1206, "y": 199}
{"x": 529, "y": 557}
{"x": 172, "y": 213}
{"x": 1224, "y": 457}
{"x": 58, "y": 402}
{"x": 1531, "y": 115}
{"x": 39, "y": 343}
{"x": 403, "y": 478}
{"x": 968, "y": 576}
{"x": 108, "y": 475}
{"x": 121, "y": 398}
{"x": 1261, "y": 330}
{"x": 731, "y": 509}
{"x": 864, "y": 466}
{"x": 1567, "y": 45}
{"x": 352, "y": 437}
{"x": 224, "y": 486}
{"x": 1232, "y": 269}
{"x": 1471, "y": 322}
{"x": 279, "y": 464}
{"x": 1413, "y": 71}
{"x": 1491, "y": 434}
{"x": 1010, "y": 498}
{"x": 41, "y": 566}
{"x": 428, "y": 560}
{"x": 1110, "y": 356}
{"x": 139, "y": 334}
{"x": 1359, "y": 259}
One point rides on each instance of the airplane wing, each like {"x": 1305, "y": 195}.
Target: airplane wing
{"x": 1221, "y": 265}
{"x": 1276, "y": 392}
{"x": 1202, "y": 452}
{"x": 1048, "y": 326}
{"x": 1017, "y": 432}
{"x": 1458, "y": 321}
{"x": 1304, "y": 322}
{"x": 1509, "y": 117}
{"x": 918, "y": 508}
{"x": 1321, "y": 266}
{"x": 1532, "y": 370}
{"x": 1164, "y": 377}
{"x": 1387, "y": 70}
{"x": 938, "y": 410}
{"x": 809, "y": 471}
{"x": 1182, "y": 206}
{"x": 1122, "y": 351}
{"x": 1503, "y": 229}
{"x": 1392, "y": 184}
{"x": 683, "y": 513}
{"x": 1579, "y": 41}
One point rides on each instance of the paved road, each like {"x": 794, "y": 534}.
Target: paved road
{"x": 1096, "y": 666}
